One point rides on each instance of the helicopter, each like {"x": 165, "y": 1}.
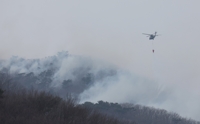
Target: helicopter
{"x": 151, "y": 36}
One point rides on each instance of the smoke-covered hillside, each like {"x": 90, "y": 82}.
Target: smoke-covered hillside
{"x": 84, "y": 78}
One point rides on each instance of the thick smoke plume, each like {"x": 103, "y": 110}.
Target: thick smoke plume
{"x": 89, "y": 79}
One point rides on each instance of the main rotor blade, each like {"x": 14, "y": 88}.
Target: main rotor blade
{"x": 146, "y": 34}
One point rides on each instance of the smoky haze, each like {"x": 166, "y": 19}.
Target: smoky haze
{"x": 111, "y": 31}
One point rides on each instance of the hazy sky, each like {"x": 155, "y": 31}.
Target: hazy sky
{"x": 111, "y": 30}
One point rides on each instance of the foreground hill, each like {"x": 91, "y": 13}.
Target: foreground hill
{"x": 31, "y": 107}
{"x": 43, "y": 108}
{"x": 138, "y": 113}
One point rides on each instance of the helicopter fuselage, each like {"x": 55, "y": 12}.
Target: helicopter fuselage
{"x": 151, "y": 37}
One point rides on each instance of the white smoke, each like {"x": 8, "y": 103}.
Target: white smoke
{"x": 123, "y": 87}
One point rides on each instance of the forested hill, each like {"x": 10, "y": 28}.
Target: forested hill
{"x": 87, "y": 79}
{"x": 138, "y": 113}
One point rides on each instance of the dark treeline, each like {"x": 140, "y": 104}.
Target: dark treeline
{"x": 138, "y": 113}
{"x": 43, "y": 108}
{"x": 22, "y": 105}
